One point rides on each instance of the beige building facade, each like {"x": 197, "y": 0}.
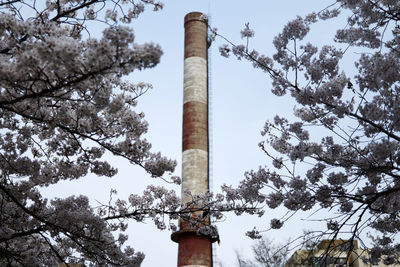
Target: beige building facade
{"x": 332, "y": 253}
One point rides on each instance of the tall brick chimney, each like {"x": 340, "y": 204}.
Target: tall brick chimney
{"x": 194, "y": 249}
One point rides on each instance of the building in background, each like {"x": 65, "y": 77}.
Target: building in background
{"x": 332, "y": 253}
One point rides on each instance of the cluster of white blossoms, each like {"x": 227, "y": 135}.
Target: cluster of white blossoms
{"x": 247, "y": 32}
{"x": 355, "y": 165}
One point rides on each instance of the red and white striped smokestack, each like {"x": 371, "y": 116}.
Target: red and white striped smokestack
{"x": 194, "y": 249}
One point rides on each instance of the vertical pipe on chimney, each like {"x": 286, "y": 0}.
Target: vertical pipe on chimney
{"x": 194, "y": 250}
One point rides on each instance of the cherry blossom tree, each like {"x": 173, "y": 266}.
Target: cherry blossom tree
{"x": 64, "y": 103}
{"x": 342, "y": 155}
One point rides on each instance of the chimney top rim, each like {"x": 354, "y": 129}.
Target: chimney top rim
{"x": 195, "y": 15}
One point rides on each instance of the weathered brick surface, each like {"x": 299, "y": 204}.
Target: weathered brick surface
{"x": 195, "y": 35}
{"x": 195, "y": 172}
{"x": 194, "y": 249}
{"x": 195, "y": 80}
{"x": 194, "y": 126}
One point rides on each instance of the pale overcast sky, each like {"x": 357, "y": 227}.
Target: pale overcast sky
{"x": 241, "y": 103}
